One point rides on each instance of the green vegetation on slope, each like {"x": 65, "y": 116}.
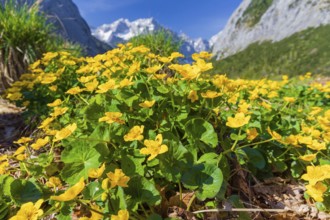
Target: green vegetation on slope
{"x": 302, "y": 52}
{"x": 254, "y": 12}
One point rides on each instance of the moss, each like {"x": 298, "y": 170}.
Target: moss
{"x": 308, "y": 50}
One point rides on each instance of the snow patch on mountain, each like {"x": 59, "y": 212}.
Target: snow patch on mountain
{"x": 123, "y": 30}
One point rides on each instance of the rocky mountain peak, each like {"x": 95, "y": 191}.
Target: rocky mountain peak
{"x": 257, "y": 21}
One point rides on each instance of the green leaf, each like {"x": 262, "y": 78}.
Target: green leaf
{"x": 79, "y": 157}
{"x": 206, "y": 179}
{"x": 199, "y": 129}
{"x": 23, "y": 191}
{"x": 236, "y": 137}
{"x": 255, "y": 158}
{"x": 4, "y": 209}
{"x": 128, "y": 97}
{"x": 132, "y": 165}
{"x": 92, "y": 191}
{"x": 93, "y": 112}
{"x": 141, "y": 190}
{"x": 175, "y": 161}
{"x": 208, "y": 158}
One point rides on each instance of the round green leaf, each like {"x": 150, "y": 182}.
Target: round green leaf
{"x": 198, "y": 129}
{"x": 206, "y": 179}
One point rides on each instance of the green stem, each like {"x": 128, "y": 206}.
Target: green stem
{"x": 180, "y": 190}
{"x": 144, "y": 211}
{"x": 190, "y": 202}
{"x": 236, "y": 141}
{"x": 84, "y": 100}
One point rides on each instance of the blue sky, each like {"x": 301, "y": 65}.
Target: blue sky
{"x": 196, "y": 18}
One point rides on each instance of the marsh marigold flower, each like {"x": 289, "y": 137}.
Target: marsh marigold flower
{"x": 154, "y": 147}
{"x": 316, "y": 173}
{"x": 289, "y": 99}
{"x": 65, "y": 132}
{"x": 57, "y": 102}
{"x": 122, "y": 215}
{"x": 118, "y": 178}
{"x": 135, "y": 134}
{"x": 111, "y": 117}
{"x": 29, "y": 211}
{"x": 74, "y": 90}
{"x": 147, "y": 104}
{"x": 193, "y": 96}
{"x": 40, "y": 143}
{"x": 210, "y": 94}
{"x": 308, "y": 157}
{"x": 316, "y": 191}
{"x": 238, "y": 121}
{"x": 252, "y": 133}
{"x": 96, "y": 172}
{"x": 70, "y": 193}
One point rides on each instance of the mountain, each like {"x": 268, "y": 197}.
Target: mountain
{"x": 269, "y": 20}
{"x": 68, "y": 22}
{"x": 274, "y": 37}
{"x": 123, "y": 30}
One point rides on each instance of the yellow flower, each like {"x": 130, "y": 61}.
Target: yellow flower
{"x": 147, "y": 104}
{"x": 316, "y": 145}
{"x": 48, "y": 79}
{"x": 238, "y": 121}
{"x": 135, "y": 67}
{"x": 252, "y": 133}
{"x": 111, "y": 117}
{"x": 40, "y": 143}
{"x": 96, "y": 173}
{"x": 57, "y": 102}
{"x": 308, "y": 140}
{"x": 210, "y": 94}
{"x": 316, "y": 173}
{"x": 70, "y": 193}
{"x": 14, "y": 96}
{"x": 91, "y": 86}
{"x": 126, "y": 82}
{"x": 308, "y": 157}
{"x": 86, "y": 79}
{"x": 244, "y": 107}
{"x": 153, "y": 69}
{"x": 3, "y": 167}
{"x": 29, "y": 211}
{"x": 54, "y": 182}
{"x": 65, "y": 132}
{"x": 193, "y": 96}
{"x": 135, "y": 134}
{"x": 122, "y": 215}
{"x": 118, "y": 178}
{"x": 274, "y": 134}
{"x": 203, "y": 66}
{"x": 266, "y": 105}
{"x": 74, "y": 90}
{"x": 289, "y": 99}
{"x": 59, "y": 111}
{"x": 46, "y": 122}
{"x": 23, "y": 140}
{"x": 53, "y": 88}
{"x": 49, "y": 56}
{"x": 154, "y": 147}
{"x": 316, "y": 191}
{"x": 175, "y": 55}
{"x": 292, "y": 140}
{"x": 315, "y": 111}
{"x": 103, "y": 88}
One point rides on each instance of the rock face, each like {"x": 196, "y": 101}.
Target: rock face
{"x": 122, "y": 30}
{"x": 68, "y": 22}
{"x": 280, "y": 19}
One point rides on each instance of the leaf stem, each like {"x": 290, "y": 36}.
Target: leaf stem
{"x": 191, "y": 201}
